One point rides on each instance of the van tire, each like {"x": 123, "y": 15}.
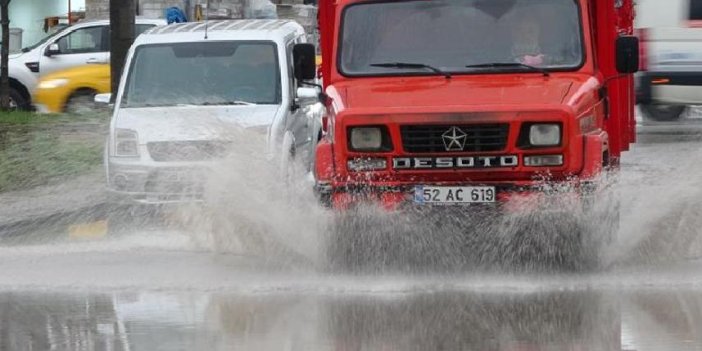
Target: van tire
{"x": 663, "y": 113}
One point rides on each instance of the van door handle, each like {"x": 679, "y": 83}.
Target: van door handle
{"x": 93, "y": 60}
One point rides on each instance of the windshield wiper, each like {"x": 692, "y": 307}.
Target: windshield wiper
{"x": 402, "y": 65}
{"x": 544, "y": 71}
{"x": 234, "y": 102}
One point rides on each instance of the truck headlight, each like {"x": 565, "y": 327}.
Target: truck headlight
{"x": 545, "y": 134}
{"x": 126, "y": 143}
{"x": 52, "y": 83}
{"x": 371, "y": 139}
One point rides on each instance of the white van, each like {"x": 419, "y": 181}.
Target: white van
{"x": 671, "y": 37}
{"x": 82, "y": 43}
{"x": 186, "y": 89}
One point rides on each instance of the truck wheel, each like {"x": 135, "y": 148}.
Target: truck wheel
{"x": 18, "y": 101}
{"x": 662, "y": 113}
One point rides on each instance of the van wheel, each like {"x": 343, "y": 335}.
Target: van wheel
{"x": 81, "y": 102}
{"x": 663, "y": 113}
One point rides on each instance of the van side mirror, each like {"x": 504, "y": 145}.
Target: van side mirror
{"x": 304, "y": 56}
{"x": 306, "y": 95}
{"x": 627, "y": 54}
{"x": 52, "y": 49}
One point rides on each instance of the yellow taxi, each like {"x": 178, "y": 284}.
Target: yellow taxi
{"x": 72, "y": 90}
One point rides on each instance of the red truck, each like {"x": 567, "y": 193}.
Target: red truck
{"x": 472, "y": 101}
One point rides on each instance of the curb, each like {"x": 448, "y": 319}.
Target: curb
{"x": 56, "y": 221}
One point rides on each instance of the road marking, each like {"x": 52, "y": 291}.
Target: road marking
{"x": 88, "y": 230}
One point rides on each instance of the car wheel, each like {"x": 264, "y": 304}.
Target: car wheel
{"x": 81, "y": 102}
{"x": 663, "y": 113}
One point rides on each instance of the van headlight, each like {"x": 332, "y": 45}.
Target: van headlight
{"x": 369, "y": 139}
{"x": 126, "y": 143}
{"x": 545, "y": 134}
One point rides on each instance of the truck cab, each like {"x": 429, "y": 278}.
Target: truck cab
{"x": 478, "y": 104}
{"x": 471, "y": 101}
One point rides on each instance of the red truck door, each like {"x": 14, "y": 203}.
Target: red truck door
{"x": 614, "y": 18}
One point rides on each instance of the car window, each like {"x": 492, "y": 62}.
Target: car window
{"x": 141, "y": 28}
{"x": 138, "y": 29}
{"x": 84, "y": 40}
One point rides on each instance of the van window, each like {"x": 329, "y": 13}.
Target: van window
{"x": 203, "y": 73}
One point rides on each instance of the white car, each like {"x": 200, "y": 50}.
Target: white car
{"x": 187, "y": 88}
{"x": 671, "y": 42}
{"x": 79, "y": 44}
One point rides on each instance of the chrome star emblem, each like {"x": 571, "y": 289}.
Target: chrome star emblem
{"x": 454, "y": 139}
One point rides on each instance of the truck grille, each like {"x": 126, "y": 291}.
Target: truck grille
{"x": 469, "y": 138}
{"x": 175, "y": 151}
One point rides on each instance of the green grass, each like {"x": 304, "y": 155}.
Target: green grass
{"x": 31, "y": 118}
{"x": 42, "y": 149}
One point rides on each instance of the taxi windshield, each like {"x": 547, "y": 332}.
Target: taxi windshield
{"x": 460, "y": 36}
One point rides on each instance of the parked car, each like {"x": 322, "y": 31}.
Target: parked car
{"x": 76, "y": 45}
{"x": 72, "y": 90}
{"x": 671, "y": 43}
{"x": 186, "y": 87}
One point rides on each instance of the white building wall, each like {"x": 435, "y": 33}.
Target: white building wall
{"x": 29, "y": 15}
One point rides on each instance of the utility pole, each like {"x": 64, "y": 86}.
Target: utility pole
{"x": 4, "y": 56}
{"x": 122, "y": 13}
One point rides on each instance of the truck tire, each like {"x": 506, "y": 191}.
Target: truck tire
{"x": 18, "y": 101}
{"x": 662, "y": 113}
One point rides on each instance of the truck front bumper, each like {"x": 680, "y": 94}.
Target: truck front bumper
{"x": 515, "y": 196}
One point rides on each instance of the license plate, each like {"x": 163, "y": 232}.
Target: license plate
{"x": 454, "y": 194}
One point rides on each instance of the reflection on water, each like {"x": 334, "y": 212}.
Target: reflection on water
{"x": 571, "y": 320}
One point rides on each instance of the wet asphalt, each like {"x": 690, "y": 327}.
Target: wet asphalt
{"x": 113, "y": 280}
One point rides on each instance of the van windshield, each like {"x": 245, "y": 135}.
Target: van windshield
{"x": 203, "y": 73}
{"x": 460, "y": 36}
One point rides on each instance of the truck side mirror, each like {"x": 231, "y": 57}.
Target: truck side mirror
{"x": 304, "y": 56}
{"x": 52, "y": 49}
{"x": 627, "y": 54}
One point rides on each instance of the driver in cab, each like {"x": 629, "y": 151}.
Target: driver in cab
{"x": 526, "y": 46}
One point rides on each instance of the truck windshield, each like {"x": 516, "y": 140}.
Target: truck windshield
{"x": 203, "y": 73}
{"x": 460, "y": 36}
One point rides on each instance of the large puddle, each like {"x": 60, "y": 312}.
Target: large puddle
{"x": 548, "y": 320}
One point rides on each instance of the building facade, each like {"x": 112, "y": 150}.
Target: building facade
{"x": 29, "y": 17}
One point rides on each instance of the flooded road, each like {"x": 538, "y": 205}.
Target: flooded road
{"x": 83, "y": 285}
{"x": 587, "y": 319}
